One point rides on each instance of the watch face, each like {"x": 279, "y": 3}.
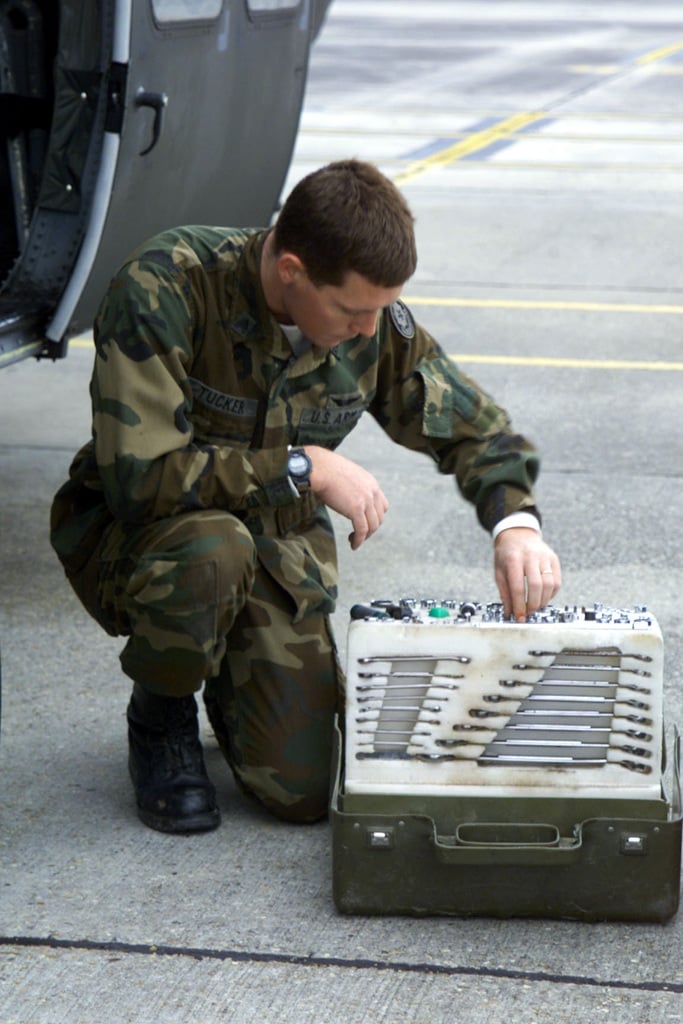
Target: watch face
{"x": 299, "y": 464}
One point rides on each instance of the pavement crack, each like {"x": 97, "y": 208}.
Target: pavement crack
{"x": 322, "y": 960}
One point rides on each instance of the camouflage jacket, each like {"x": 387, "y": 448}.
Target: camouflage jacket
{"x": 196, "y": 394}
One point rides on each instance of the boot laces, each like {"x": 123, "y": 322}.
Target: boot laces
{"x": 180, "y": 752}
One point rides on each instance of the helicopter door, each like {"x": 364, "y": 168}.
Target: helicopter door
{"x": 204, "y": 105}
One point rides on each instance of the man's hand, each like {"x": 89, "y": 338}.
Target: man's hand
{"x": 527, "y": 571}
{"x": 348, "y": 489}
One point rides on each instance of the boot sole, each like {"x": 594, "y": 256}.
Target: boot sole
{"x": 179, "y": 826}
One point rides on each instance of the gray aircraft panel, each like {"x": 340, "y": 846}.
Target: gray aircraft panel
{"x": 147, "y": 115}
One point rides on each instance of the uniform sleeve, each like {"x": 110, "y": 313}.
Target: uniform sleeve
{"x": 425, "y": 403}
{"x": 148, "y": 461}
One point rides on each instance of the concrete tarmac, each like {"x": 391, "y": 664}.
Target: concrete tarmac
{"x": 541, "y": 148}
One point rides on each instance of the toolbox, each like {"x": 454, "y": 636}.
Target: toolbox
{"x": 488, "y": 767}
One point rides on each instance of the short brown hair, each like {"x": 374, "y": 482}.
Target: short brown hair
{"x": 345, "y": 217}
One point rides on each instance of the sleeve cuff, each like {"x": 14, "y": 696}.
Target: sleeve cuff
{"x": 527, "y": 519}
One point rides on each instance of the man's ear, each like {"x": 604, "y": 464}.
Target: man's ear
{"x": 289, "y": 267}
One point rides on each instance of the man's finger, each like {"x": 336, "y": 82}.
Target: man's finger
{"x": 504, "y": 591}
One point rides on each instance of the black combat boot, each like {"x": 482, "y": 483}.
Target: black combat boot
{"x": 173, "y": 791}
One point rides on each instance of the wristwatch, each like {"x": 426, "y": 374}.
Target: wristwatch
{"x": 299, "y": 468}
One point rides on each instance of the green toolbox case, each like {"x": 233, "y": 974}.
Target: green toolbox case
{"x": 426, "y": 822}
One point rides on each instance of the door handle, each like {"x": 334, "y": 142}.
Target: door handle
{"x": 157, "y": 101}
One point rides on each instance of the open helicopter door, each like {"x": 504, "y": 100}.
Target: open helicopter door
{"x": 126, "y": 117}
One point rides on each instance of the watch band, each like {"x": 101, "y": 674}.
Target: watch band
{"x": 299, "y": 468}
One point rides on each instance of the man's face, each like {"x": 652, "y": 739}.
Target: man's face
{"x": 330, "y": 314}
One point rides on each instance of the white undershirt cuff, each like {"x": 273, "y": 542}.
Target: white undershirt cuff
{"x": 527, "y": 519}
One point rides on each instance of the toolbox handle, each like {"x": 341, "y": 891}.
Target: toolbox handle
{"x": 505, "y": 842}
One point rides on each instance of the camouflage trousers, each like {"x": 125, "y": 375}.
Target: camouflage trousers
{"x": 196, "y": 605}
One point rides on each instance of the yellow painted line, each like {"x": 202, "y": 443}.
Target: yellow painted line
{"x": 549, "y": 304}
{"x": 613, "y": 69}
{"x": 465, "y": 357}
{"x": 575, "y": 168}
{"x": 565, "y": 363}
{"x": 473, "y": 143}
{"x": 17, "y": 354}
{"x": 660, "y": 54}
{"x": 595, "y": 69}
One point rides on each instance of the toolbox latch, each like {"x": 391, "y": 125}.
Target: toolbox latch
{"x": 633, "y": 844}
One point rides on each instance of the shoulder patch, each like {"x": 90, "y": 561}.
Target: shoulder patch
{"x": 402, "y": 319}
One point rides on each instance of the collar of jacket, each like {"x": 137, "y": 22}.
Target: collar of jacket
{"x": 257, "y": 324}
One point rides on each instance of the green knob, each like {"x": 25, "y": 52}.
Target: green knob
{"x": 439, "y": 613}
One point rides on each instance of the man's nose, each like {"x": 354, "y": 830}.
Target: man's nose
{"x": 365, "y": 324}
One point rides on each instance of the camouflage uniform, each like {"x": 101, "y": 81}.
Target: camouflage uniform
{"x": 179, "y": 528}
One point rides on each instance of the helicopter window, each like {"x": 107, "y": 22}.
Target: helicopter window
{"x": 268, "y": 6}
{"x": 185, "y": 10}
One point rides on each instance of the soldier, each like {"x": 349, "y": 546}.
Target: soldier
{"x": 230, "y": 364}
